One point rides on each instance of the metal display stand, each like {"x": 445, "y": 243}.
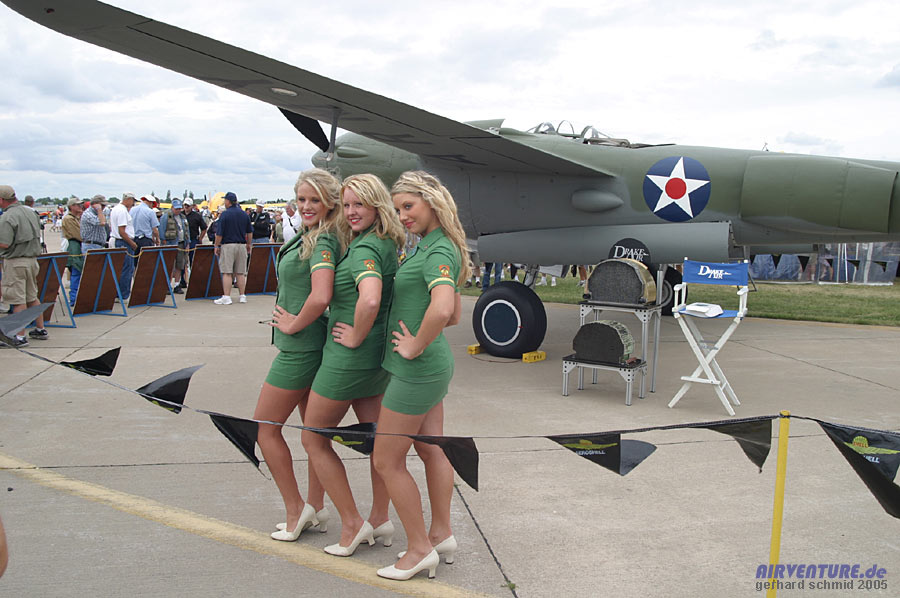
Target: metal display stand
{"x": 645, "y": 314}
{"x": 628, "y": 373}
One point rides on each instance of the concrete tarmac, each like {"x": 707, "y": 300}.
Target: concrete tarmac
{"x": 131, "y": 500}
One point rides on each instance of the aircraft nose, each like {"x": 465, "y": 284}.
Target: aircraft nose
{"x": 318, "y": 159}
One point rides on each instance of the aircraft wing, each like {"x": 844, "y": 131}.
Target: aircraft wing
{"x": 433, "y": 137}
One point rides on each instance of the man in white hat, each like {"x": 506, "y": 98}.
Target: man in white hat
{"x": 262, "y": 223}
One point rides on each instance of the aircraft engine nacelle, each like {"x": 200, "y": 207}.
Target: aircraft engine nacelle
{"x": 811, "y": 194}
{"x": 666, "y": 243}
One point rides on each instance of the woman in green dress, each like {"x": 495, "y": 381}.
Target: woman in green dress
{"x": 426, "y": 300}
{"x": 351, "y": 370}
{"x": 305, "y": 268}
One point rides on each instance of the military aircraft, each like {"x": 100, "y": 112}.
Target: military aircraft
{"x": 543, "y": 196}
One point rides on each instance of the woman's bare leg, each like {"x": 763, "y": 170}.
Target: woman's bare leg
{"x": 367, "y": 410}
{"x": 276, "y": 404}
{"x": 390, "y": 461}
{"x": 322, "y": 412}
{"x": 438, "y": 475}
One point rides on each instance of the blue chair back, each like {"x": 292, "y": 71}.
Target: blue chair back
{"x": 716, "y": 273}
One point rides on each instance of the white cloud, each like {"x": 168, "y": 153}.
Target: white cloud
{"x": 731, "y": 74}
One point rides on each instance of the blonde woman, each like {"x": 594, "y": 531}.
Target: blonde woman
{"x": 351, "y": 361}
{"x": 426, "y": 300}
{"x": 305, "y": 267}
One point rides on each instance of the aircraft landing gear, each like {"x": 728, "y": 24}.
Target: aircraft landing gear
{"x": 509, "y": 320}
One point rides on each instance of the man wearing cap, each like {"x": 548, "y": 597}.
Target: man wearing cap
{"x": 121, "y": 228}
{"x": 71, "y": 231}
{"x": 20, "y": 245}
{"x": 94, "y": 228}
{"x": 234, "y": 237}
{"x": 175, "y": 232}
{"x": 197, "y": 226}
{"x": 262, "y": 223}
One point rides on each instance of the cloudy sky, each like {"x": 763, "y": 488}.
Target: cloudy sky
{"x": 819, "y": 77}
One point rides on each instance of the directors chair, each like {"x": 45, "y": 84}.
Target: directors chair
{"x": 708, "y": 370}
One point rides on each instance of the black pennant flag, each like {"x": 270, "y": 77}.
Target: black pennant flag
{"x": 241, "y": 432}
{"x": 855, "y": 263}
{"x": 359, "y": 437}
{"x": 171, "y": 388}
{"x": 608, "y": 450}
{"x": 462, "y": 454}
{"x": 18, "y": 321}
{"x": 754, "y": 438}
{"x": 804, "y": 261}
{"x": 98, "y": 366}
{"x": 776, "y": 258}
{"x": 881, "y": 264}
{"x": 875, "y": 457}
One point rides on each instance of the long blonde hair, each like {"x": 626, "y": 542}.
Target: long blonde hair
{"x": 373, "y": 194}
{"x": 438, "y": 198}
{"x": 328, "y": 188}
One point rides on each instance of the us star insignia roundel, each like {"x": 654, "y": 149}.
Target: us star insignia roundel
{"x": 677, "y": 188}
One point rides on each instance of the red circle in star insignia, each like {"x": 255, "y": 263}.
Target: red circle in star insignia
{"x": 676, "y": 188}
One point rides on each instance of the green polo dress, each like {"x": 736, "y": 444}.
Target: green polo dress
{"x": 295, "y": 367}
{"x": 419, "y": 384}
{"x": 347, "y": 374}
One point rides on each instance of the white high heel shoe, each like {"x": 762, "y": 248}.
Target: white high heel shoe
{"x": 385, "y": 531}
{"x": 364, "y": 533}
{"x": 307, "y": 519}
{"x": 322, "y": 515}
{"x": 447, "y": 549}
{"x": 430, "y": 562}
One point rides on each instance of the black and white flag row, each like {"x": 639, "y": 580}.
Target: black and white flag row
{"x": 873, "y": 454}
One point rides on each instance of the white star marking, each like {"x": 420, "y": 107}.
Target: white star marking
{"x": 681, "y": 192}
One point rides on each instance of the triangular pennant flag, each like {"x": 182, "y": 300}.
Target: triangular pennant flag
{"x": 754, "y": 438}
{"x": 359, "y": 437}
{"x": 98, "y": 366}
{"x": 875, "y": 457}
{"x": 607, "y": 450}
{"x": 775, "y": 259}
{"x": 830, "y": 262}
{"x": 881, "y": 264}
{"x": 804, "y": 261}
{"x": 462, "y": 454}
{"x": 18, "y": 321}
{"x": 241, "y": 432}
{"x": 855, "y": 263}
{"x": 170, "y": 389}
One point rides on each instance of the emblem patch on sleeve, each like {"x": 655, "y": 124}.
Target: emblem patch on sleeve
{"x": 370, "y": 264}
{"x": 326, "y": 256}
{"x": 444, "y": 270}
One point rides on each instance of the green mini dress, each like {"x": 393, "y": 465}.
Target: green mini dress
{"x": 419, "y": 384}
{"x": 347, "y": 374}
{"x": 295, "y": 366}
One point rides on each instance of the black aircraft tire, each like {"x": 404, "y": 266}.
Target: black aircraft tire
{"x": 509, "y": 320}
{"x": 672, "y": 278}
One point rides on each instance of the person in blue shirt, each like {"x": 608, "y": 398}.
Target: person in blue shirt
{"x": 234, "y": 239}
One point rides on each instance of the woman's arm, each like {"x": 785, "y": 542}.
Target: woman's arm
{"x": 457, "y": 311}
{"x": 322, "y": 287}
{"x": 439, "y": 313}
{"x": 363, "y": 317}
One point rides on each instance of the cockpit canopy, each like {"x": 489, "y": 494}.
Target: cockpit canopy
{"x": 589, "y": 135}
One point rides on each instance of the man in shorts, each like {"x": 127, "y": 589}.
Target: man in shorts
{"x": 20, "y": 246}
{"x": 234, "y": 239}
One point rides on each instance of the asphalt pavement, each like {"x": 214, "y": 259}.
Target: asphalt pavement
{"x": 106, "y": 494}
